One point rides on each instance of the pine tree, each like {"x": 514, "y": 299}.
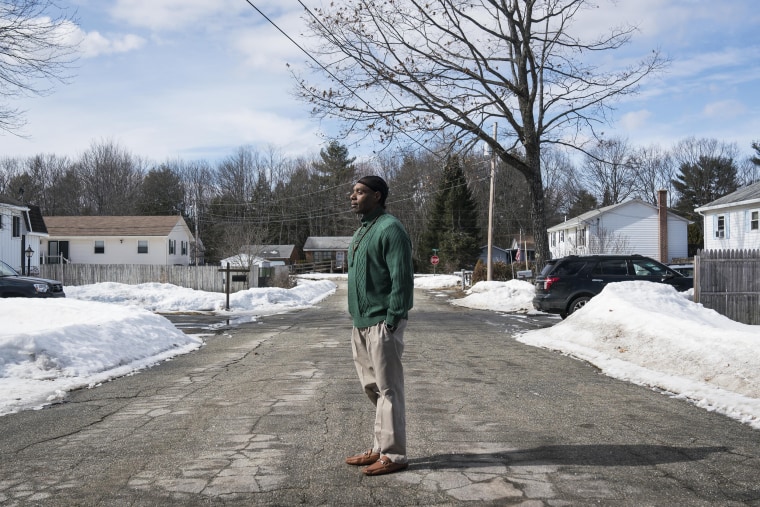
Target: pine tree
{"x": 582, "y": 203}
{"x": 452, "y": 227}
{"x": 698, "y": 184}
{"x": 333, "y": 176}
{"x": 161, "y": 193}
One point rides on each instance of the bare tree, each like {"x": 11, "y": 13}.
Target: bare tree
{"x": 236, "y": 175}
{"x": 608, "y": 172}
{"x": 452, "y": 68}
{"x": 653, "y": 170}
{"x": 10, "y": 168}
{"x": 36, "y": 47}
{"x": 689, "y": 151}
{"x": 110, "y": 177}
{"x": 40, "y": 180}
{"x": 561, "y": 186}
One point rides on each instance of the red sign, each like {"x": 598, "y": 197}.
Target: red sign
{"x": 434, "y": 260}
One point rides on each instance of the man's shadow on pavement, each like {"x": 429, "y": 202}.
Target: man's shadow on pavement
{"x": 583, "y": 455}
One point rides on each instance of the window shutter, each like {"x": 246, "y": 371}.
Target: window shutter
{"x": 728, "y": 225}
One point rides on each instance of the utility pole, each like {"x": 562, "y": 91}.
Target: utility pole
{"x": 489, "y": 257}
{"x": 196, "y": 230}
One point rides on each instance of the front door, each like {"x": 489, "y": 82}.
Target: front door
{"x": 57, "y": 250}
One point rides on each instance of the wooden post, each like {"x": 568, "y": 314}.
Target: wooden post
{"x": 227, "y": 289}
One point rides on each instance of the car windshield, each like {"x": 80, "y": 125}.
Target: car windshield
{"x": 6, "y": 270}
{"x": 650, "y": 268}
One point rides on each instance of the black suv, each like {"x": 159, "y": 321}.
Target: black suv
{"x": 13, "y": 285}
{"x": 566, "y": 284}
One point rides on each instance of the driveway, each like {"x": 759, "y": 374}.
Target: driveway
{"x": 265, "y": 413}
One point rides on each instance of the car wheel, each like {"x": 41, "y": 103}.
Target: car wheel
{"x": 578, "y": 303}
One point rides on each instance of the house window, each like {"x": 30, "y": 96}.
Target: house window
{"x": 172, "y": 246}
{"x": 16, "y": 227}
{"x": 1, "y": 220}
{"x": 554, "y": 239}
{"x": 582, "y": 237}
{"x": 754, "y": 220}
{"x": 720, "y": 229}
{"x": 100, "y": 247}
{"x": 142, "y": 246}
{"x": 184, "y": 248}
{"x": 561, "y": 236}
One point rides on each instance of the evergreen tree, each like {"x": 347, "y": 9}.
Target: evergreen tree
{"x": 702, "y": 182}
{"x": 583, "y": 202}
{"x": 161, "y": 193}
{"x": 698, "y": 184}
{"x": 333, "y": 176}
{"x": 755, "y": 159}
{"x": 453, "y": 223}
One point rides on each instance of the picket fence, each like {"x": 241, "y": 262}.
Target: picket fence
{"x": 728, "y": 281}
{"x": 206, "y": 278}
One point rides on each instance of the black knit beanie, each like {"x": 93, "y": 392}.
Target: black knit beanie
{"x": 377, "y": 184}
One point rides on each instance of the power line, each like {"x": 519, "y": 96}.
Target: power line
{"x": 330, "y": 73}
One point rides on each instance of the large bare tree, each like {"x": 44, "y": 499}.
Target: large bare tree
{"x": 37, "y": 46}
{"x": 452, "y": 69}
{"x": 110, "y": 178}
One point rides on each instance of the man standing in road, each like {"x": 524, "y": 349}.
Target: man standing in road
{"x": 380, "y": 294}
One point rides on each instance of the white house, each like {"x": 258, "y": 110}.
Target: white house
{"x": 733, "y": 221}
{"x": 119, "y": 240}
{"x": 633, "y": 226}
{"x": 22, "y": 228}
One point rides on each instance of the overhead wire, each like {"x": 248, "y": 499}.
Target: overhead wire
{"x": 330, "y": 73}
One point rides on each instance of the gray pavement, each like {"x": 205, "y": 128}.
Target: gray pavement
{"x": 265, "y": 413}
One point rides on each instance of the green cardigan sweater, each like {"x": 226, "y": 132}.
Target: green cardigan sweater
{"x": 380, "y": 271}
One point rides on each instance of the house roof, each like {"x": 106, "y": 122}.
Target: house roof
{"x": 78, "y": 226}
{"x": 327, "y": 243}
{"x": 32, "y": 217}
{"x": 36, "y": 222}
{"x": 4, "y": 199}
{"x": 590, "y": 215}
{"x": 270, "y": 251}
{"x": 745, "y": 195}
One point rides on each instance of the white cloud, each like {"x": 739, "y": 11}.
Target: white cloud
{"x": 724, "y": 109}
{"x": 173, "y": 14}
{"x": 95, "y": 44}
{"x": 635, "y": 119}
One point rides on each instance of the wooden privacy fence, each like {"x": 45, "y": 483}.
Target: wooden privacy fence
{"x": 206, "y": 278}
{"x": 728, "y": 281}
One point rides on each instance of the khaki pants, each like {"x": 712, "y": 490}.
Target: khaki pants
{"x": 377, "y": 356}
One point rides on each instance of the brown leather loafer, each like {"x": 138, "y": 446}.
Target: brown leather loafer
{"x": 384, "y": 466}
{"x": 366, "y": 458}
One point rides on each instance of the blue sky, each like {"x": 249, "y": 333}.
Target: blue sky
{"x": 196, "y": 79}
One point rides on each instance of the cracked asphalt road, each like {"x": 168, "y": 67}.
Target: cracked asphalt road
{"x": 265, "y": 413}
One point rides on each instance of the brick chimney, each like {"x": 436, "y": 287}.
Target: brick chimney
{"x": 662, "y": 198}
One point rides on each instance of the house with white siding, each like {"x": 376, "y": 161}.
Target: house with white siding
{"x": 22, "y": 228}
{"x": 630, "y": 227}
{"x": 733, "y": 221}
{"x": 158, "y": 240}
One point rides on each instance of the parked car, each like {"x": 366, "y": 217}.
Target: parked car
{"x": 565, "y": 285}
{"x": 14, "y": 285}
{"x": 684, "y": 269}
